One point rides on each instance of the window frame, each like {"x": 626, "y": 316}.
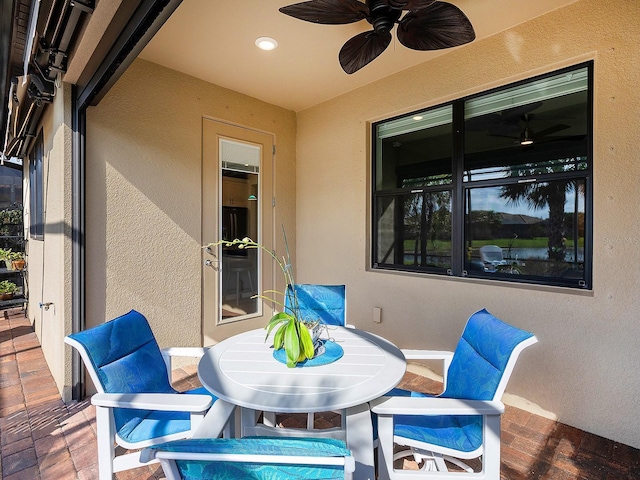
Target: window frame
{"x": 36, "y": 189}
{"x": 459, "y": 187}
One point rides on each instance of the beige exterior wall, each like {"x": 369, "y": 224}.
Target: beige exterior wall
{"x": 584, "y": 370}
{"x": 49, "y": 260}
{"x": 144, "y": 189}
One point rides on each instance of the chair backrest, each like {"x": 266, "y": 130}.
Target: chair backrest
{"x": 326, "y": 303}
{"x": 122, "y": 356}
{"x": 484, "y": 358}
{"x": 491, "y": 254}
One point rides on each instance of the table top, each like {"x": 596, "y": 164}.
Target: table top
{"x": 242, "y": 371}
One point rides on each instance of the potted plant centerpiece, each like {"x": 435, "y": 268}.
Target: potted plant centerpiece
{"x": 295, "y": 334}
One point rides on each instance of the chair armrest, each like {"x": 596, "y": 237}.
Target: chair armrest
{"x": 443, "y": 355}
{"x": 427, "y": 355}
{"x": 435, "y": 406}
{"x": 169, "y": 352}
{"x": 183, "y": 351}
{"x": 170, "y": 402}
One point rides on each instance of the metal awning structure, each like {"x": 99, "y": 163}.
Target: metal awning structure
{"x": 36, "y": 41}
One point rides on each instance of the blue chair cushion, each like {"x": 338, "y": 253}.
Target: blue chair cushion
{"x": 139, "y": 425}
{"x": 320, "y": 302}
{"x": 126, "y": 356}
{"x": 458, "y": 432}
{"x": 307, "y": 447}
{"x": 481, "y": 356}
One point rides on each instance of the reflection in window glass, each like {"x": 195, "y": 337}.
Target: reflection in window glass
{"x": 534, "y": 230}
{"x": 414, "y": 230}
{"x": 531, "y": 124}
{"x": 415, "y": 151}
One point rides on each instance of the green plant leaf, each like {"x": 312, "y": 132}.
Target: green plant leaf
{"x": 306, "y": 341}
{"x": 278, "y": 338}
{"x": 292, "y": 343}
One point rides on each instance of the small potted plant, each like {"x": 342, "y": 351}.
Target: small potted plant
{"x": 13, "y": 260}
{"x": 293, "y": 333}
{"x": 7, "y": 289}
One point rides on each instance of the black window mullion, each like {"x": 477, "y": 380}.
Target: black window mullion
{"x": 457, "y": 207}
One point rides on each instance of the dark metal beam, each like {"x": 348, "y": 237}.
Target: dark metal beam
{"x": 140, "y": 29}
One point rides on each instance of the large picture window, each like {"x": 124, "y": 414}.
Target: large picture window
{"x": 497, "y": 185}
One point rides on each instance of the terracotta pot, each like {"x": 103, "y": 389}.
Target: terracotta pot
{"x": 17, "y": 264}
{"x": 6, "y": 296}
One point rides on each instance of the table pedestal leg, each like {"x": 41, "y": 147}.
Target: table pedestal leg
{"x": 216, "y": 421}
{"x": 360, "y": 441}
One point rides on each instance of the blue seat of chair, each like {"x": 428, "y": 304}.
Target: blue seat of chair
{"x": 127, "y": 359}
{"x": 306, "y": 447}
{"x": 142, "y": 425}
{"x": 320, "y": 302}
{"x": 459, "y": 432}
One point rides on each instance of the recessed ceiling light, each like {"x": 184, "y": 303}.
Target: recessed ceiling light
{"x": 266, "y": 43}
{"x": 417, "y": 117}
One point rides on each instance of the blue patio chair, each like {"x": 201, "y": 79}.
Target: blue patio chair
{"x": 327, "y": 303}
{"x": 463, "y": 422}
{"x": 255, "y": 458}
{"x": 136, "y": 406}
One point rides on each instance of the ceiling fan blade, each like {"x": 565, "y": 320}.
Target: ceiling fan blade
{"x": 551, "y": 130}
{"x": 328, "y": 12}
{"x": 409, "y": 4}
{"x": 362, "y": 49}
{"x": 442, "y": 25}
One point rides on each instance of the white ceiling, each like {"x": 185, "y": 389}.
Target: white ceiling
{"x": 214, "y": 40}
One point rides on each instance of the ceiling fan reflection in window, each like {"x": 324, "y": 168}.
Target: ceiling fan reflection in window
{"x": 427, "y": 25}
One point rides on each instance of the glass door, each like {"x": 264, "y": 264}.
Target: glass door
{"x": 236, "y": 203}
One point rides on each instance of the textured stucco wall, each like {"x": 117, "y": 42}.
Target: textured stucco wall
{"x": 584, "y": 370}
{"x": 144, "y": 154}
{"x": 49, "y": 263}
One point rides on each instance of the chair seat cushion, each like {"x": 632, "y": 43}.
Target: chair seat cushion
{"x": 142, "y": 425}
{"x": 195, "y": 470}
{"x": 458, "y": 432}
{"x": 306, "y": 447}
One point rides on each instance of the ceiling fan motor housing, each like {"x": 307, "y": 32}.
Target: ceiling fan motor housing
{"x": 382, "y": 16}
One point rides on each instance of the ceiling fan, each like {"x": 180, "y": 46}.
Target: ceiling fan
{"x": 515, "y": 123}
{"x": 528, "y": 136}
{"x": 427, "y": 25}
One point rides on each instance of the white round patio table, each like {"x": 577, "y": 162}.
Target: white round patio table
{"x": 242, "y": 370}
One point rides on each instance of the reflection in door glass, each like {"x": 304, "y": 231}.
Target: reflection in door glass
{"x": 240, "y": 164}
